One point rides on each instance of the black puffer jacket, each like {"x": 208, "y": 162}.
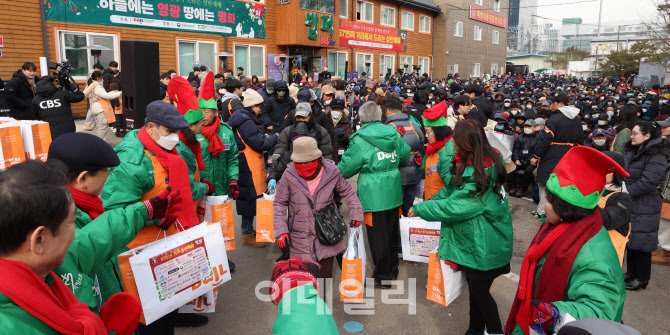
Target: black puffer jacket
{"x": 284, "y": 147}
{"x": 524, "y": 148}
{"x": 319, "y": 116}
{"x": 484, "y": 106}
{"x": 646, "y": 165}
{"x": 561, "y": 132}
{"x": 20, "y": 96}
{"x": 276, "y": 109}
{"x": 53, "y": 105}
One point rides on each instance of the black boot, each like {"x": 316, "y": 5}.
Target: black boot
{"x": 628, "y": 277}
{"x": 284, "y": 256}
{"x": 231, "y": 266}
{"x": 635, "y": 285}
{"x": 190, "y": 320}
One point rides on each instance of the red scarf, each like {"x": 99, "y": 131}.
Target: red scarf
{"x": 89, "y": 204}
{"x": 178, "y": 177}
{"x": 56, "y": 305}
{"x": 488, "y": 161}
{"x": 195, "y": 149}
{"x": 211, "y": 132}
{"x": 433, "y": 147}
{"x": 308, "y": 170}
{"x": 563, "y": 243}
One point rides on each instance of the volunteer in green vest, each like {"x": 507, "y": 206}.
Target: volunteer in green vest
{"x": 150, "y": 162}
{"x": 439, "y": 151}
{"x": 217, "y": 147}
{"x": 37, "y": 235}
{"x": 375, "y": 151}
{"x": 92, "y": 277}
{"x": 476, "y": 234}
{"x": 571, "y": 266}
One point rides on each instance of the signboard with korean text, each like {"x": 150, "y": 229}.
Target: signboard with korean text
{"x": 371, "y": 37}
{"x": 487, "y": 17}
{"x": 220, "y": 17}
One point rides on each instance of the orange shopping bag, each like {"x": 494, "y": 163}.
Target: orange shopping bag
{"x": 265, "y": 231}
{"x": 12, "y": 145}
{"x": 435, "y": 281}
{"x": 36, "y": 139}
{"x": 218, "y": 208}
{"x": 128, "y": 279}
{"x": 353, "y": 268}
{"x": 445, "y": 283}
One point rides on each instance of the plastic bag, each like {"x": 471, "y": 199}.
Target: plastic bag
{"x": 353, "y": 268}
{"x": 265, "y": 230}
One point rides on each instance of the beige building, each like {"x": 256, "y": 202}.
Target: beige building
{"x": 475, "y": 38}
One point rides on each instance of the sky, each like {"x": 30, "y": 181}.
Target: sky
{"x": 614, "y": 11}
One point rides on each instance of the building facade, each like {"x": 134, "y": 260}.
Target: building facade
{"x": 521, "y": 13}
{"x": 475, "y": 35}
{"x": 269, "y": 39}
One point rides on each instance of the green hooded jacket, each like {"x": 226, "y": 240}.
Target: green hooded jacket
{"x": 443, "y": 162}
{"x": 595, "y": 287}
{"x": 220, "y": 170}
{"x": 375, "y": 151}
{"x": 476, "y": 229}
{"x": 88, "y": 258}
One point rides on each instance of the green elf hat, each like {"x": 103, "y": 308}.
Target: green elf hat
{"x": 579, "y": 177}
{"x": 435, "y": 116}
{"x": 181, "y": 92}
{"x": 207, "y": 95}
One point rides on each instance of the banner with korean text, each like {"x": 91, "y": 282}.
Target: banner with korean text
{"x": 220, "y": 17}
{"x": 371, "y": 37}
{"x": 486, "y": 17}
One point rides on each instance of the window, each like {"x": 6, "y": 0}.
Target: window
{"x": 336, "y": 62}
{"x": 409, "y": 60}
{"x": 424, "y": 24}
{"x": 476, "y": 70}
{"x": 496, "y": 5}
{"x": 407, "y": 21}
{"x": 494, "y": 69}
{"x": 71, "y": 46}
{"x": 251, "y": 58}
{"x": 478, "y": 33}
{"x": 496, "y": 36}
{"x": 196, "y": 51}
{"x": 344, "y": 8}
{"x": 455, "y": 68}
{"x": 424, "y": 62}
{"x": 386, "y": 62}
{"x": 479, "y": 2}
{"x": 364, "y": 11}
{"x": 323, "y": 6}
{"x": 360, "y": 64}
{"x": 458, "y": 28}
{"x": 388, "y": 16}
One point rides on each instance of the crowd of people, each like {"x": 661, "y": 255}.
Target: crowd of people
{"x": 592, "y": 153}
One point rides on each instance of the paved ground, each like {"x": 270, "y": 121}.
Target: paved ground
{"x": 240, "y": 312}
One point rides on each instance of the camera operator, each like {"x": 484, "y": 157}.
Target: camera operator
{"x": 20, "y": 91}
{"x": 53, "y": 105}
{"x": 424, "y": 83}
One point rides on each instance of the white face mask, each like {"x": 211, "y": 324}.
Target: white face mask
{"x": 507, "y": 104}
{"x": 584, "y": 127}
{"x": 166, "y": 142}
{"x": 327, "y": 103}
{"x": 599, "y": 143}
{"x": 528, "y": 131}
{"x": 662, "y": 102}
{"x": 514, "y": 112}
{"x": 594, "y": 107}
{"x": 602, "y": 122}
{"x": 644, "y": 110}
{"x": 336, "y": 114}
{"x": 595, "y": 115}
{"x": 281, "y": 93}
{"x": 610, "y": 113}
{"x": 529, "y": 106}
{"x": 602, "y": 98}
{"x": 639, "y": 114}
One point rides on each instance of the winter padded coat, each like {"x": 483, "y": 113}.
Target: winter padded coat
{"x": 245, "y": 124}
{"x": 524, "y": 146}
{"x": 375, "y": 151}
{"x": 53, "y": 105}
{"x": 19, "y": 96}
{"x": 95, "y": 243}
{"x": 220, "y": 170}
{"x": 646, "y": 166}
{"x": 562, "y": 131}
{"x": 340, "y": 144}
{"x": 303, "y": 312}
{"x": 276, "y": 109}
{"x": 414, "y": 138}
{"x": 292, "y": 194}
{"x": 94, "y": 92}
{"x": 476, "y": 228}
{"x": 595, "y": 287}
{"x": 318, "y": 115}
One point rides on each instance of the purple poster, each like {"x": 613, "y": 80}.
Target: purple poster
{"x": 277, "y": 67}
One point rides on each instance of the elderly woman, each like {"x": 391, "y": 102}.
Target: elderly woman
{"x": 310, "y": 180}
